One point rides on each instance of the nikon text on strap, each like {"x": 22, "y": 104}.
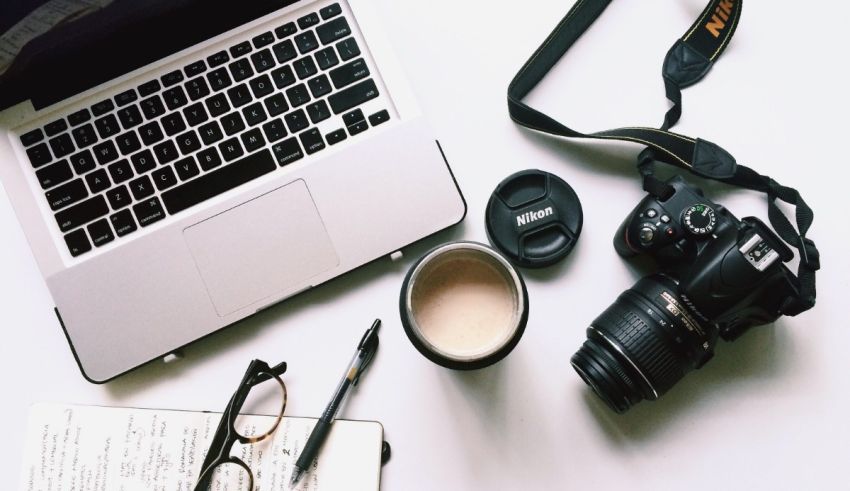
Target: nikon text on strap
{"x": 687, "y": 62}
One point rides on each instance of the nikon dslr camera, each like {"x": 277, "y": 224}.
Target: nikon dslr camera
{"x": 719, "y": 277}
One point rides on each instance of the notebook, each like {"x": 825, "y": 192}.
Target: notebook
{"x": 95, "y": 448}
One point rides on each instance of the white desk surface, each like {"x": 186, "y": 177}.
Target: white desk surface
{"x": 768, "y": 412}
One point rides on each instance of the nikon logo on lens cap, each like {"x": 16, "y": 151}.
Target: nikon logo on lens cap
{"x": 534, "y": 218}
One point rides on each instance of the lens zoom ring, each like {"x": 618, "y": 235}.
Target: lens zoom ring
{"x": 644, "y": 344}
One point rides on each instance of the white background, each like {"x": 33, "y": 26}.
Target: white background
{"x": 770, "y": 411}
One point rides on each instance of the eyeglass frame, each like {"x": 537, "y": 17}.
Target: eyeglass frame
{"x": 226, "y": 434}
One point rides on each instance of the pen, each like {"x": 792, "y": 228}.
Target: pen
{"x": 365, "y": 352}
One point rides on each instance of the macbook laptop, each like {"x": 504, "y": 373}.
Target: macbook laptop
{"x": 179, "y": 165}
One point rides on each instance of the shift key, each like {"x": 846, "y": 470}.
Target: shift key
{"x": 82, "y": 213}
{"x": 353, "y": 96}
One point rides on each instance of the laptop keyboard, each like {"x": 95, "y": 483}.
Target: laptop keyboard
{"x": 174, "y": 142}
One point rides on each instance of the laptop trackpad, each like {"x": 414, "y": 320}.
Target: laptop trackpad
{"x": 262, "y": 249}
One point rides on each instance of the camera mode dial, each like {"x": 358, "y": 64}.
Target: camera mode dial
{"x": 699, "y": 219}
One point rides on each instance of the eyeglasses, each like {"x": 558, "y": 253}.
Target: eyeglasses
{"x": 237, "y": 427}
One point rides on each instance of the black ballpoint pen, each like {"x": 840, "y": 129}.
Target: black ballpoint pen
{"x": 365, "y": 352}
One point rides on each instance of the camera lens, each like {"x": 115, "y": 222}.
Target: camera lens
{"x": 641, "y": 345}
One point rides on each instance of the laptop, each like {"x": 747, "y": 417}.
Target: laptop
{"x": 179, "y": 165}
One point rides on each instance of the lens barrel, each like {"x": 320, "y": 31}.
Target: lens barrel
{"x": 641, "y": 345}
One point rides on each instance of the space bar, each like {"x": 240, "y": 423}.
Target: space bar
{"x": 220, "y": 181}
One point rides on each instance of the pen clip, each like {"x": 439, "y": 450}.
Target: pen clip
{"x": 366, "y": 349}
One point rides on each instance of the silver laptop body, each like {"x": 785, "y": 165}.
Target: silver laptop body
{"x": 181, "y": 264}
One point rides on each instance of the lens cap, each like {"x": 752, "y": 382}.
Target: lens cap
{"x": 534, "y": 218}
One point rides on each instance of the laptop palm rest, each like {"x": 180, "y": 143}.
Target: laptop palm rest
{"x": 269, "y": 246}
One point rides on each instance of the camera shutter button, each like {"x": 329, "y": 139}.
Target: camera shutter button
{"x": 646, "y": 235}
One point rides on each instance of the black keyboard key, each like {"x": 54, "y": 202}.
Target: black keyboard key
{"x": 128, "y": 143}
{"x": 149, "y": 88}
{"x": 287, "y": 151}
{"x": 298, "y": 95}
{"x": 172, "y": 78}
{"x": 151, "y": 133}
{"x": 149, "y": 212}
{"x": 39, "y": 155}
{"x": 231, "y": 149}
{"x": 306, "y": 42}
{"x": 141, "y": 188}
{"x": 219, "y": 181}
{"x": 253, "y": 140}
{"x": 32, "y": 137}
{"x": 217, "y": 105}
{"x": 84, "y": 136}
{"x": 55, "y": 127}
{"x": 210, "y": 133}
{"x": 175, "y": 97}
{"x": 263, "y": 61}
{"x": 125, "y": 98}
{"x": 232, "y": 123}
{"x": 164, "y": 178}
{"x": 83, "y": 162}
{"x": 189, "y": 142}
{"x": 379, "y": 117}
{"x": 197, "y": 88}
{"x": 62, "y": 145}
{"x": 119, "y": 197}
{"x": 66, "y": 194}
{"x": 284, "y": 51}
{"x": 102, "y": 107}
{"x": 105, "y": 152}
{"x": 54, "y": 174}
{"x": 166, "y": 152}
{"x": 101, "y": 233}
{"x": 219, "y": 79}
{"x": 152, "y": 107}
{"x": 143, "y": 162}
{"x": 283, "y": 77}
{"x": 78, "y": 243}
{"x": 79, "y": 117}
{"x": 186, "y": 168}
{"x": 209, "y": 159}
{"x": 130, "y": 117}
{"x": 263, "y": 39}
{"x": 276, "y": 105}
{"x": 241, "y": 69}
{"x": 352, "y": 117}
{"x": 330, "y": 11}
{"x": 173, "y": 124}
{"x": 319, "y": 86}
{"x": 348, "y": 49}
{"x": 358, "y": 127}
{"x": 239, "y": 95}
{"x": 305, "y": 67}
{"x": 333, "y": 30}
{"x": 195, "y": 69}
{"x": 120, "y": 171}
{"x": 308, "y": 21}
{"x": 349, "y": 73}
{"x": 82, "y": 213}
{"x": 274, "y": 130}
{"x": 240, "y": 49}
{"x": 195, "y": 114}
{"x": 254, "y": 114}
{"x": 327, "y": 58}
{"x": 123, "y": 223}
{"x": 312, "y": 141}
{"x": 353, "y": 96}
{"x": 337, "y": 136}
{"x": 107, "y": 126}
{"x": 261, "y": 86}
{"x": 217, "y": 59}
{"x": 296, "y": 121}
{"x": 286, "y": 30}
{"x": 98, "y": 181}
{"x": 318, "y": 111}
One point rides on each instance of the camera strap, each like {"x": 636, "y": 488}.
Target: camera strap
{"x": 687, "y": 62}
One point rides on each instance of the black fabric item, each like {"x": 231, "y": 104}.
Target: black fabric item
{"x": 688, "y": 61}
